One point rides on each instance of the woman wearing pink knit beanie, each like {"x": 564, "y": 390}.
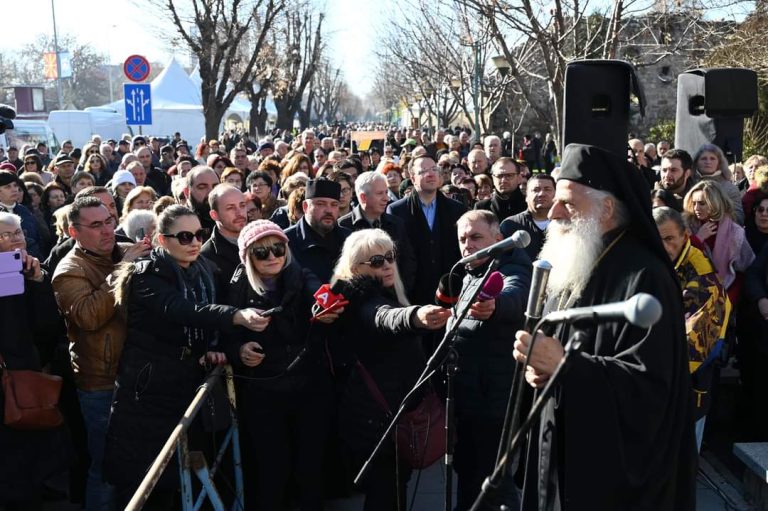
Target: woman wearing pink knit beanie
{"x": 286, "y": 412}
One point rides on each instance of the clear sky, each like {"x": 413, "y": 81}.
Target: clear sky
{"x": 118, "y": 29}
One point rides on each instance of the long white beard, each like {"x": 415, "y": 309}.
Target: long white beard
{"x": 572, "y": 247}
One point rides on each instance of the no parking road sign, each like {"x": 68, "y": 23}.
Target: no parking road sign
{"x": 138, "y": 104}
{"x": 136, "y": 68}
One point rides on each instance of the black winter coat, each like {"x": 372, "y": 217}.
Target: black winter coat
{"x": 27, "y": 458}
{"x": 485, "y": 347}
{"x": 316, "y": 253}
{"x": 159, "y": 371}
{"x": 288, "y": 332}
{"x": 435, "y": 250}
{"x": 387, "y": 343}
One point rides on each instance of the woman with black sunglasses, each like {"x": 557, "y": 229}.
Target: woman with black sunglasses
{"x": 172, "y": 338}
{"x": 383, "y": 331}
{"x": 285, "y": 415}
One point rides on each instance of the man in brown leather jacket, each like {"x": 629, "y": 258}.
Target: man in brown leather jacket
{"x": 96, "y": 332}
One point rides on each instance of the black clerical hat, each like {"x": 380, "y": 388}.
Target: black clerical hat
{"x": 323, "y": 188}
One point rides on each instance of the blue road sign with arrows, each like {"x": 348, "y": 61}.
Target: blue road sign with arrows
{"x": 138, "y": 104}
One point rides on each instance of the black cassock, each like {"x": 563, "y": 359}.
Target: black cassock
{"x": 618, "y": 432}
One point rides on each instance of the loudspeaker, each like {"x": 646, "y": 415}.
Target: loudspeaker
{"x": 711, "y": 107}
{"x": 596, "y": 106}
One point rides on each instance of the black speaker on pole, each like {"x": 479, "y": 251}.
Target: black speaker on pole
{"x": 596, "y": 108}
{"x": 711, "y": 107}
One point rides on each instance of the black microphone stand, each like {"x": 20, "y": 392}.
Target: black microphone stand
{"x": 492, "y": 482}
{"x": 438, "y": 358}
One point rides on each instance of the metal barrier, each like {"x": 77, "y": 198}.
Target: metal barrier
{"x": 194, "y": 461}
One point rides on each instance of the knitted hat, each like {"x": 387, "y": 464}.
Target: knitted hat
{"x": 256, "y": 230}
{"x": 10, "y": 167}
{"x": 123, "y": 176}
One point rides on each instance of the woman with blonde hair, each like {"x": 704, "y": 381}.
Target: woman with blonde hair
{"x": 382, "y": 331}
{"x": 711, "y": 165}
{"x": 287, "y": 417}
{"x": 710, "y": 217}
{"x": 141, "y": 197}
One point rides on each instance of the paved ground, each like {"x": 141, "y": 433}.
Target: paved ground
{"x": 430, "y": 493}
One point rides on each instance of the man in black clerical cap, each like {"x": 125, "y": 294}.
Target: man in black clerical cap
{"x": 316, "y": 240}
{"x": 618, "y": 433}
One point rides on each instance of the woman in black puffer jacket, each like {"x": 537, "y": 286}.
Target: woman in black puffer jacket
{"x": 383, "y": 330}
{"x": 285, "y": 414}
{"x": 173, "y": 321}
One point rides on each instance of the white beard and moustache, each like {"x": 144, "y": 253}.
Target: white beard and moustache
{"x": 572, "y": 247}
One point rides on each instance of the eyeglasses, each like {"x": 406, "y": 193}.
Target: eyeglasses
{"x": 507, "y": 175}
{"x": 138, "y": 143}
{"x": 378, "y": 261}
{"x": 18, "y": 233}
{"x": 421, "y": 172}
{"x": 97, "y": 226}
{"x": 258, "y": 185}
{"x": 185, "y": 237}
{"x": 30, "y": 162}
{"x": 346, "y": 191}
{"x": 261, "y": 253}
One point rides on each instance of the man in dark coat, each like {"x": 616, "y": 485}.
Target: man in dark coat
{"x": 159, "y": 180}
{"x": 371, "y": 189}
{"x": 507, "y": 199}
{"x": 621, "y": 436}
{"x": 430, "y": 221}
{"x": 485, "y": 363}
{"x": 316, "y": 240}
{"x": 540, "y": 191}
{"x": 228, "y": 210}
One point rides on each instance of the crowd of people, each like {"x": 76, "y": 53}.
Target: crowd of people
{"x": 148, "y": 261}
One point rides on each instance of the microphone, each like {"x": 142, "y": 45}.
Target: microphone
{"x": 448, "y": 290}
{"x": 519, "y": 239}
{"x": 539, "y": 278}
{"x": 641, "y": 310}
{"x": 492, "y": 287}
{"x": 328, "y": 298}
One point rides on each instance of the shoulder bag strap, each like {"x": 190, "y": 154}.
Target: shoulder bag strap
{"x": 372, "y": 387}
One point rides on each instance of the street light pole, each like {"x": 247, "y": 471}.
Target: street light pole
{"x": 476, "y": 86}
{"x": 58, "y": 60}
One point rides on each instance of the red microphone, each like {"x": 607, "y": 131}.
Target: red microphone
{"x": 492, "y": 287}
{"x": 328, "y": 299}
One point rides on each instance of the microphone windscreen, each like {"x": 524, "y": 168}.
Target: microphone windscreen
{"x": 449, "y": 290}
{"x": 492, "y": 287}
{"x": 494, "y": 284}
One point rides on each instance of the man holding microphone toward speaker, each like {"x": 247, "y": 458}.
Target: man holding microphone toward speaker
{"x": 484, "y": 349}
{"x": 617, "y": 432}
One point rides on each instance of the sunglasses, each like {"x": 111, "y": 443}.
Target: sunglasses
{"x": 378, "y": 261}
{"x": 185, "y": 237}
{"x": 762, "y": 209}
{"x": 261, "y": 253}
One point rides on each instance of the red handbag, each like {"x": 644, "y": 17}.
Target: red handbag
{"x": 420, "y": 433}
{"x": 31, "y": 399}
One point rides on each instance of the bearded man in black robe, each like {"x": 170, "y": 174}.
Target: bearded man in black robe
{"x": 617, "y": 433}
